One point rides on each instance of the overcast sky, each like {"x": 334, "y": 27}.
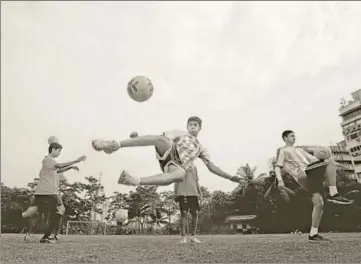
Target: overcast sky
{"x": 249, "y": 69}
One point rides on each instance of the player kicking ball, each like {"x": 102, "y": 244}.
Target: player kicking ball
{"x": 176, "y": 151}
{"x": 46, "y": 199}
{"x": 310, "y": 173}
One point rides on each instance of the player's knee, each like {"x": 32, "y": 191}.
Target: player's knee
{"x": 194, "y": 213}
{"x": 162, "y": 143}
{"x": 30, "y": 212}
{"x": 318, "y": 201}
{"x": 60, "y": 210}
{"x": 183, "y": 213}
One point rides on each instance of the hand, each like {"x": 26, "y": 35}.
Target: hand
{"x": 75, "y": 168}
{"x": 82, "y": 158}
{"x": 235, "y": 179}
{"x": 134, "y": 135}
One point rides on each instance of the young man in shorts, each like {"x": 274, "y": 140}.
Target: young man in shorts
{"x": 310, "y": 173}
{"x": 176, "y": 151}
{"x": 46, "y": 192}
{"x": 188, "y": 194}
{"x": 31, "y": 213}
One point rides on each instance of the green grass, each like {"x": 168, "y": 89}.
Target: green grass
{"x": 157, "y": 249}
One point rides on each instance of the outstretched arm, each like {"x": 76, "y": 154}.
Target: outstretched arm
{"x": 70, "y": 163}
{"x": 67, "y": 168}
{"x": 216, "y": 170}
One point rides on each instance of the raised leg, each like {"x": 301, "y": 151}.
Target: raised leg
{"x": 161, "y": 143}
{"x": 331, "y": 180}
{"x": 174, "y": 174}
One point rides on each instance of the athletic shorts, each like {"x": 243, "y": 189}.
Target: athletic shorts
{"x": 188, "y": 203}
{"x": 315, "y": 177}
{"x": 169, "y": 158}
{"x": 46, "y": 203}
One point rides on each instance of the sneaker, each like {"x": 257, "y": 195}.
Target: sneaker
{"x": 317, "y": 238}
{"x": 27, "y": 237}
{"x": 338, "y": 199}
{"x": 47, "y": 240}
{"x": 183, "y": 240}
{"x": 126, "y": 179}
{"x": 195, "y": 240}
{"x": 55, "y": 238}
{"x": 108, "y": 146}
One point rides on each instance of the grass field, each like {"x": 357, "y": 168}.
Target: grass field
{"x": 157, "y": 249}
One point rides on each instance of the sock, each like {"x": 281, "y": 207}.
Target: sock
{"x": 314, "y": 231}
{"x": 333, "y": 190}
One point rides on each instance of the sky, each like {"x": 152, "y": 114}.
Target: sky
{"x": 249, "y": 69}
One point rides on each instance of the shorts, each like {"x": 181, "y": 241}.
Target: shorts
{"x": 46, "y": 203}
{"x": 315, "y": 177}
{"x": 169, "y": 158}
{"x": 188, "y": 203}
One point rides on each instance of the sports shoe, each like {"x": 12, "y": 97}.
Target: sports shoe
{"x": 47, "y": 240}
{"x": 338, "y": 199}
{"x": 183, "y": 240}
{"x": 317, "y": 238}
{"x": 126, "y": 179}
{"x": 55, "y": 238}
{"x": 108, "y": 146}
{"x": 195, "y": 240}
{"x": 27, "y": 237}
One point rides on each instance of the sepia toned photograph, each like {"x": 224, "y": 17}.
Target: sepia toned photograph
{"x": 180, "y": 132}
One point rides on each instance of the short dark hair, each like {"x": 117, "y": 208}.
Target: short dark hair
{"x": 54, "y": 145}
{"x": 286, "y": 133}
{"x": 195, "y": 119}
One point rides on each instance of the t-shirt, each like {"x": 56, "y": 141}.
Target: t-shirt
{"x": 48, "y": 178}
{"x": 188, "y": 147}
{"x": 188, "y": 187}
{"x": 294, "y": 160}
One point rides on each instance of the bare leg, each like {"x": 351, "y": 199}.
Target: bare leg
{"x": 30, "y": 212}
{"x": 317, "y": 212}
{"x": 183, "y": 222}
{"x": 175, "y": 174}
{"x": 161, "y": 143}
{"x": 194, "y": 222}
{"x": 330, "y": 177}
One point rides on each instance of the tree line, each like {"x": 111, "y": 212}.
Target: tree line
{"x": 154, "y": 211}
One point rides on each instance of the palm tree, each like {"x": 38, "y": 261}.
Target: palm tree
{"x": 249, "y": 179}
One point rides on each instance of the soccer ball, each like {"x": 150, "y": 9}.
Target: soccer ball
{"x": 53, "y": 139}
{"x": 140, "y": 88}
{"x": 322, "y": 153}
{"x": 121, "y": 215}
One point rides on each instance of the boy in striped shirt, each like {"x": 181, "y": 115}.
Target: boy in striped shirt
{"x": 176, "y": 151}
